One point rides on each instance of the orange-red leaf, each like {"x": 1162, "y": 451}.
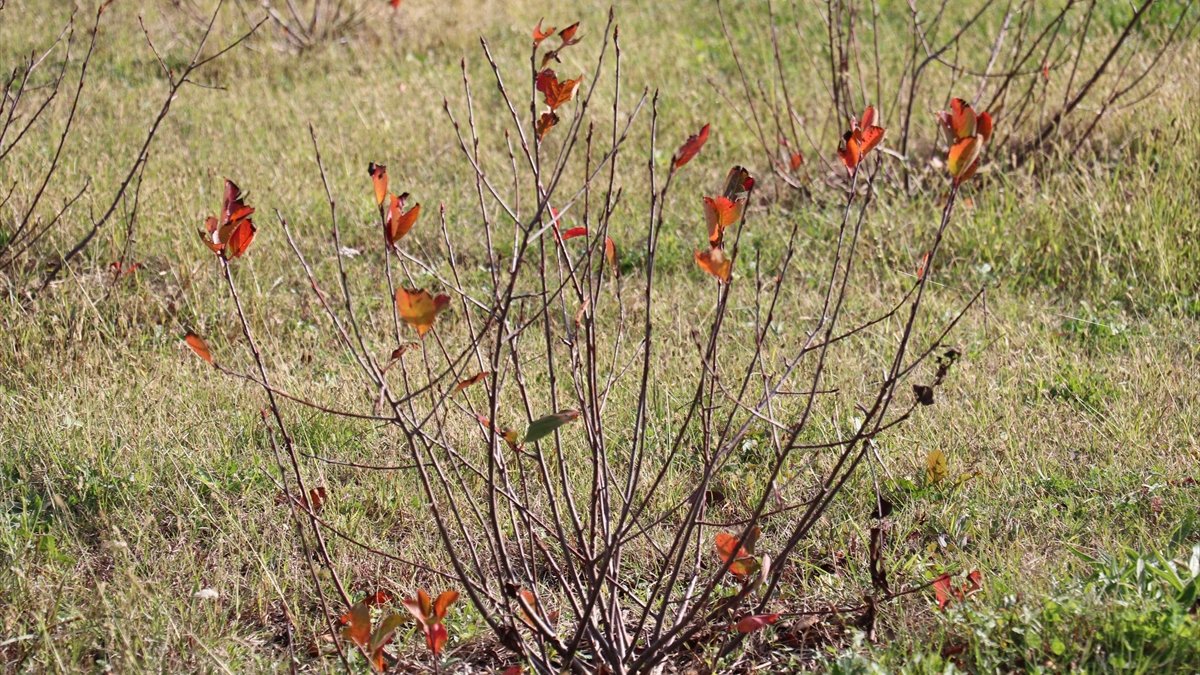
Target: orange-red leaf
{"x": 574, "y": 232}
{"x": 942, "y": 590}
{"x": 380, "y": 179}
{"x": 418, "y": 308}
{"x": 962, "y": 119}
{"x": 398, "y": 223}
{"x": 199, "y": 346}
{"x": 436, "y": 638}
{"x": 231, "y": 235}
{"x": 795, "y": 161}
{"x": 743, "y": 562}
{"x": 715, "y": 262}
{"x": 545, "y": 123}
{"x": 357, "y": 624}
{"x": 962, "y": 156}
{"x": 540, "y": 34}
{"x": 557, "y": 92}
{"x": 691, "y": 146}
{"x": 568, "y": 35}
{"x": 720, "y": 212}
{"x": 474, "y": 379}
{"x": 240, "y": 238}
{"x": 756, "y": 622}
{"x": 983, "y": 126}
{"x": 443, "y": 603}
{"x": 509, "y": 435}
{"x": 610, "y": 252}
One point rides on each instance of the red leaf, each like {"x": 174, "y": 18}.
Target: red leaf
{"x": 474, "y": 379}
{"x": 691, "y": 146}
{"x": 557, "y": 92}
{"x": 379, "y": 178}
{"x": 574, "y": 232}
{"x": 942, "y": 590}
{"x": 540, "y": 34}
{"x": 199, "y": 346}
{"x": 436, "y": 638}
{"x": 756, "y": 622}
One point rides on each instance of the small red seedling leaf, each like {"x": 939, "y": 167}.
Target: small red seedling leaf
{"x": 691, "y": 147}
{"x": 356, "y": 624}
{"x": 756, "y": 622}
{"x": 198, "y": 346}
{"x": 430, "y": 614}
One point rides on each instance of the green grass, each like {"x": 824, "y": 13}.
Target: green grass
{"x": 131, "y": 477}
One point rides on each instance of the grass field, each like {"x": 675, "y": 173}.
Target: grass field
{"x": 131, "y": 477}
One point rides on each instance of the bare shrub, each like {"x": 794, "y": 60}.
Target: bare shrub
{"x": 533, "y": 419}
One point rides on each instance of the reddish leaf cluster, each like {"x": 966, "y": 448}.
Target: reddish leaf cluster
{"x": 556, "y": 92}
{"x": 396, "y": 221}
{"x": 861, "y": 139}
{"x": 720, "y": 212}
{"x": 230, "y": 236}
{"x": 356, "y": 627}
{"x": 430, "y": 614}
{"x": 967, "y": 134}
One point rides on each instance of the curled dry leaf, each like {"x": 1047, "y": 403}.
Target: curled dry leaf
{"x": 198, "y": 346}
{"x": 567, "y": 35}
{"x": 474, "y": 379}
{"x": 379, "y": 178}
{"x": 419, "y": 309}
{"x": 545, "y": 123}
{"x": 691, "y": 147}
{"x": 936, "y": 467}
